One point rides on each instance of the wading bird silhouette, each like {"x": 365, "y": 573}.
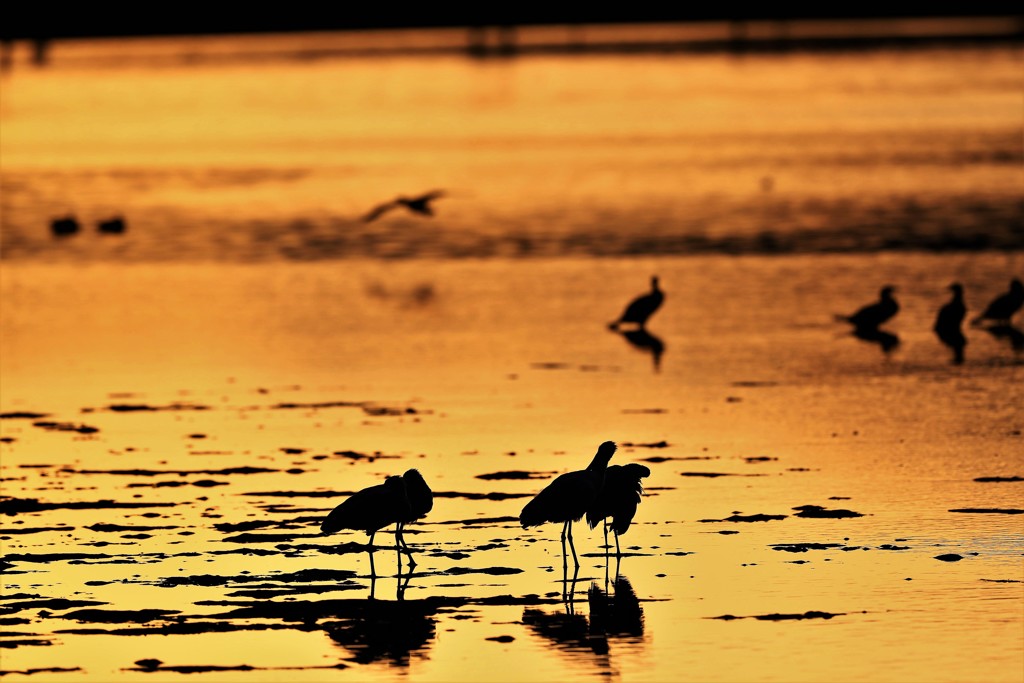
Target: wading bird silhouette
{"x": 871, "y": 316}
{"x": 568, "y": 497}
{"x": 399, "y": 500}
{"x": 641, "y": 308}
{"x": 1004, "y": 306}
{"x": 419, "y": 204}
{"x": 948, "y": 322}
{"x": 618, "y": 499}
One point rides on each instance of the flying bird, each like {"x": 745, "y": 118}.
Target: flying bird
{"x": 1004, "y": 306}
{"x": 641, "y": 308}
{"x": 399, "y": 500}
{"x": 568, "y": 497}
{"x": 618, "y": 499}
{"x": 420, "y": 205}
{"x": 871, "y": 316}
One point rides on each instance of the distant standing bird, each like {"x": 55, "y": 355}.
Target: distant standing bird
{"x": 641, "y": 308}
{"x": 66, "y": 225}
{"x": 618, "y": 499}
{"x": 420, "y": 205}
{"x": 112, "y": 226}
{"x": 568, "y": 497}
{"x": 871, "y": 316}
{"x": 1004, "y": 306}
{"x": 948, "y": 322}
{"x": 399, "y": 500}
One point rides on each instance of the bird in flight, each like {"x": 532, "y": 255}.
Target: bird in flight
{"x": 419, "y": 204}
{"x": 568, "y": 497}
{"x": 641, "y": 308}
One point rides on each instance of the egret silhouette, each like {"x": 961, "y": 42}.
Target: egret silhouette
{"x": 948, "y": 322}
{"x": 618, "y": 499}
{"x": 871, "y": 316}
{"x": 1004, "y": 306}
{"x": 568, "y": 497}
{"x": 420, "y": 205}
{"x": 641, "y": 308}
{"x": 399, "y": 500}
{"x": 64, "y": 226}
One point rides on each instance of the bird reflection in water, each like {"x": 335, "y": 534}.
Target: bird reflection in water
{"x": 868, "y": 319}
{"x": 1008, "y": 333}
{"x": 887, "y": 341}
{"x": 394, "y": 632}
{"x": 644, "y": 341}
{"x": 612, "y": 616}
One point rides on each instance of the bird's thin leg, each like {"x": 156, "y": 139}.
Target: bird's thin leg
{"x": 565, "y": 560}
{"x": 408, "y": 550}
{"x": 618, "y": 551}
{"x": 373, "y": 570}
{"x": 606, "y": 546}
{"x": 572, "y": 545}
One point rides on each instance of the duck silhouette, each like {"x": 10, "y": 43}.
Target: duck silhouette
{"x": 641, "y": 308}
{"x": 64, "y": 226}
{"x": 948, "y": 321}
{"x": 112, "y": 226}
{"x": 420, "y": 205}
{"x": 1004, "y": 306}
{"x": 869, "y": 317}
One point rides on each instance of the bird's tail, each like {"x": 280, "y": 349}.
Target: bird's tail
{"x": 532, "y": 514}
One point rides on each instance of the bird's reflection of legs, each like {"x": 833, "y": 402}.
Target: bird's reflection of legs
{"x": 400, "y": 541}
{"x": 569, "y": 592}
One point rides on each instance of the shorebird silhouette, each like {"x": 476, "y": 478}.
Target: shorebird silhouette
{"x": 1004, "y": 306}
{"x": 871, "y": 316}
{"x": 399, "y": 500}
{"x": 420, "y": 205}
{"x": 112, "y": 226}
{"x": 948, "y": 322}
{"x": 64, "y": 226}
{"x": 568, "y": 497}
{"x": 641, "y": 308}
{"x": 618, "y": 499}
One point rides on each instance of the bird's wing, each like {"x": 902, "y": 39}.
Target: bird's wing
{"x": 376, "y": 211}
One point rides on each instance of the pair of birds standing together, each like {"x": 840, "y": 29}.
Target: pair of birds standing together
{"x": 597, "y": 492}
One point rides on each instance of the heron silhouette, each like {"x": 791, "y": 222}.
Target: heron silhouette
{"x": 568, "y": 497}
{"x": 641, "y": 308}
{"x": 419, "y": 204}
{"x": 618, "y": 499}
{"x": 399, "y": 500}
{"x": 1004, "y": 306}
{"x": 948, "y": 321}
{"x": 869, "y": 317}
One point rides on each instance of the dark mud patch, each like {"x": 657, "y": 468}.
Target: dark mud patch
{"x": 66, "y": 427}
{"x": 146, "y": 408}
{"x": 515, "y": 474}
{"x": 654, "y": 444}
{"x": 783, "y": 617}
{"x": 495, "y": 495}
{"x": 949, "y": 557}
{"x": 662, "y": 458}
{"x": 201, "y": 483}
{"x": 987, "y": 480}
{"x": 803, "y": 547}
{"x": 12, "y": 643}
{"x": 226, "y": 471}
{"x": 56, "y": 604}
{"x": 997, "y": 511}
{"x": 14, "y": 506}
{"x": 301, "y": 576}
{"x": 23, "y": 415}
{"x": 377, "y": 455}
{"x": 759, "y": 517}
{"x": 155, "y": 665}
{"x": 116, "y": 528}
{"x": 479, "y": 520}
{"x": 490, "y": 571}
{"x": 644, "y": 411}
{"x": 754, "y": 384}
{"x": 269, "y": 538}
{"x": 819, "y": 512}
{"x": 372, "y": 409}
{"x": 501, "y": 639}
{"x": 47, "y": 670}
{"x": 34, "y": 530}
{"x": 1002, "y": 580}
{"x": 119, "y": 616}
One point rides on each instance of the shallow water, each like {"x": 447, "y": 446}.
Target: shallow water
{"x": 300, "y": 369}
{"x": 183, "y": 404}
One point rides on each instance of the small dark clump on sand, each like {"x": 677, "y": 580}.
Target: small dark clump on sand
{"x": 818, "y": 512}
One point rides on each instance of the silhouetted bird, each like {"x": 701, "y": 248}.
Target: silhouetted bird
{"x": 112, "y": 226}
{"x": 61, "y": 227}
{"x": 871, "y": 316}
{"x": 399, "y": 500}
{"x": 641, "y": 308}
{"x": 420, "y": 205}
{"x": 948, "y": 322}
{"x": 568, "y": 497}
{"x": 618, "y": 499}
{"x": 1004, "y": 306}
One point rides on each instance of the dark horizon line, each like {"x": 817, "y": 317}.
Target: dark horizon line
{"x": 74, "y": 22}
